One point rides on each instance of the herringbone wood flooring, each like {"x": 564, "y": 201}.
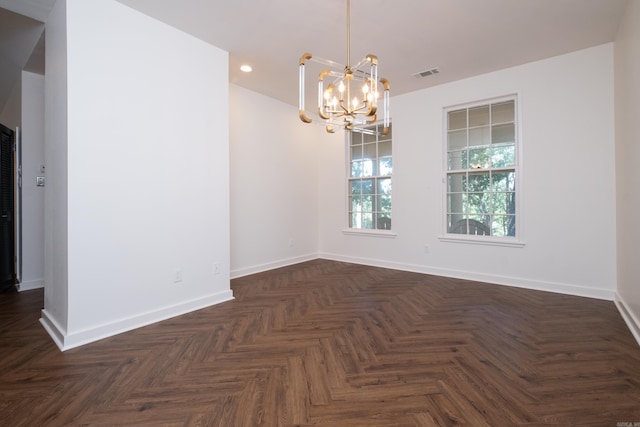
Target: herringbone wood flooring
{"x": 334, "y": 344}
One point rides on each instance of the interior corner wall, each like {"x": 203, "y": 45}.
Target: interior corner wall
{"x": 32, "y": 195}
{"x": 55, "y": 313}
{"x": 148, "y": 171}
{"x": 627, "y": 96}
{"x": 567, "y": 177}
{"x": 274, "y": 204}
{"x": 10, "y": 112}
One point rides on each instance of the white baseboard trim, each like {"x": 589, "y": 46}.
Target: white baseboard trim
{"x": 538, "y": 285}
{"x": 53, "y": 328}
{"x": 271, "y": 265}
{"x": 629, "y": 317}
{"x": 66, "y": 341}
{"x": 30, "y": 285}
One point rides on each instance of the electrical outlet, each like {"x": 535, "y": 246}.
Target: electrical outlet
{"x": 216, "y": 268}
{"x": 177, "y": 276}
{"x": 426, "y": 249}
{"x": 292, "y": 243}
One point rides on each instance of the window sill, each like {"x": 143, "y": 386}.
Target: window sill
{"x": 481, "y": 240}
{"x": 373, "y": 233}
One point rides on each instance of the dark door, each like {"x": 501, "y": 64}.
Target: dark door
{"x": 7, "y": 238}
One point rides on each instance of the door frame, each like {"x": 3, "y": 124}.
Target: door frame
{"x": 17, "y": 180}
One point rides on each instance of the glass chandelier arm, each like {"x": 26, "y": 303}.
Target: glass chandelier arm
{"x": 324, "y": 96}
{"x": 329, "y": 63}
{"x": 301, "y": 75}
{"x": 373, "y": 85}
{"x": 356, "y": 68}
{"x": 329, "y": 124}
{"x": 371, "y": 58}
{"x": 387, "y": 113}
{"x": 305, "y": 57}
{"x": 372, "y": 119}
{"x": 338, "y": 76}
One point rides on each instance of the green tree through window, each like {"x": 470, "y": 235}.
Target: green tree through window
{"x": 371, "y": 167}
{"x": 481, "y": 169}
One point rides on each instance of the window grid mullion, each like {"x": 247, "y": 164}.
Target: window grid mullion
{"x": 488, "y": 199}
{"x": 369, "y": 164}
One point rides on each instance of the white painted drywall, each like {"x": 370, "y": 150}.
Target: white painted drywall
{"x": 55, "y": 313}
{"x": 148, "y": 171}
{"x": 627, "y": 65}
{"x": 32, "y": 195}
{"x": 25, "y": 109}
{"x": 274, "y": 182}
{"x": 568, "y": 181}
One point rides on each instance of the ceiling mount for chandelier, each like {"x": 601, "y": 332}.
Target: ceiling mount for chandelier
{"x": 342, "y": 102}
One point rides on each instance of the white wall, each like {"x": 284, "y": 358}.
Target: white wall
{"x": 25, "y": 109}
{"x": 32, "y": 196}
{"x": 274, "y": 205}
{"x": 148, "y": 172}
{"x": 55, "y": 313}
{"x": 627, "y": 84}
{"x": 568, "y": 186}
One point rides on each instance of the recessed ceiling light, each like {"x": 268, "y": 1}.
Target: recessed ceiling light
{"x": 246, "y": 68}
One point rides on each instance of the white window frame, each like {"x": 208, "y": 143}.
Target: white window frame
{"x": 510, "y": 241}
{"x": 348, "y": 230}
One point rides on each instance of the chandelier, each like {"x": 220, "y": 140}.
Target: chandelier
{"x": 350, "y": 98}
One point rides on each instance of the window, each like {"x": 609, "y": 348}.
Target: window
{"x": 481, "y": 169}
{"x": 369, "y": 181}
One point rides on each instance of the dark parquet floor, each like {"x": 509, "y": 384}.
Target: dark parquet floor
{"x": 327, "y": 343}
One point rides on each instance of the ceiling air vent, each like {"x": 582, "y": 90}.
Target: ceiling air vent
{"x": 426, "y": 73}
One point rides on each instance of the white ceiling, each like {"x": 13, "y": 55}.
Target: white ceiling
{"x": 462, "y": 38}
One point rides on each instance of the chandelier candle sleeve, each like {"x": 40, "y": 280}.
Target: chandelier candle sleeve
{"x": 340, "y": 103}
